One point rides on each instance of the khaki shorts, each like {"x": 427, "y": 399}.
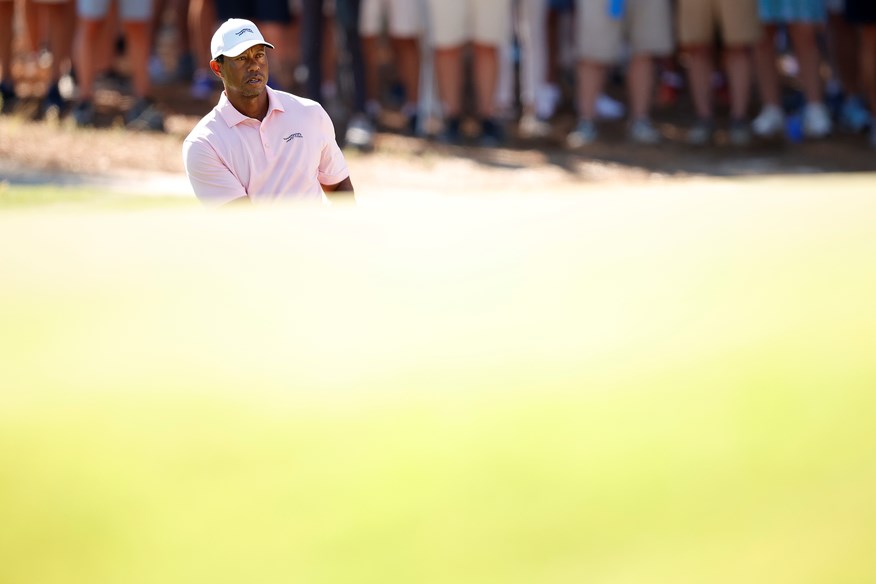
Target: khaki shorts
{"x": 647, "y": 24}
{"x": 403, "y": 18}
{"x": 456, "y": 22}
{"x": 738, "y": 21}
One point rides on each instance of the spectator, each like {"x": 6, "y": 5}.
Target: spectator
{"x": 404, "y": 29}
{"x": 59, "y": 16}
{"x": 484, "y": 23}
{"x": 803, "y": 18}
{"x": 532, "y": 19}
{"x": 135, "y": 16}
{"x": 740, "y": 29}
{"x": 863, "y": 14}
{"x": 600, "y": 43}
{"x": 844, "y": 52}
{"x": 7, "y": 85}
{"x": 201, "y": 20}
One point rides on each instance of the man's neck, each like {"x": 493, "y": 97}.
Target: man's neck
{"x": 251, "y": 107}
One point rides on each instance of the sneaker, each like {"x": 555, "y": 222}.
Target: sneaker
{"x": 7, "y": 97}
{"x": 532, "y": 127}
{"x": 642, "y": 131}
{"x": 360, "y": 132}
{"x": 854, "y": 115}
{"x": 492, "y": 135}
{"x": 739, "y": 133}
{"x": 52, "y": 104}
{"x": 770, "y": 123}
{"x": 451, "y": 133}
{"x": 701, "y": 133}
{"x": 816, "y": 120}
{"x": 609, "y": 109}
{"x": 584, "y": 133}
{"x": 547, "y": 98}
{"x": 83, "y": 114}
{"x": 143, "y": 115}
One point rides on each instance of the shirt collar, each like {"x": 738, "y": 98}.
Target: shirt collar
{"x": 233, "y": 117}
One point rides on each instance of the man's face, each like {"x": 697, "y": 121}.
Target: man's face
{"x": 246, "y": 74}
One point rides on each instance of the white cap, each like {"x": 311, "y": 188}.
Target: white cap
{"x": 234, "y": 37}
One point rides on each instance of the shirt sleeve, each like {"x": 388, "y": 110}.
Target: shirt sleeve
{"x": 213, "y": 182}
{"x": 332, "y": 165}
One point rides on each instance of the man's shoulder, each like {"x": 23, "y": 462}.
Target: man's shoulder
{"x": 206, "y": 126}
{"x": 296, "y": 101}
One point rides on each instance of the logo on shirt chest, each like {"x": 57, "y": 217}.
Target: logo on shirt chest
{"x": 291, "y": 137}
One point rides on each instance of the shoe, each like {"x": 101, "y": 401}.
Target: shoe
{"x": 7, "y": 97}
{"x": 83, "y": 114}
{"x": 853, "y": 115}
{"x": 52, "y": 104}
{"x": 609, "y": 109}
{"x": 547, "y": 98}
{"x": 770, "y": 123}
{"x": 144, "y": 116}
{"x": 584, "y": 134}
{"x": 739, "y": 133}
{"x": 360, "y": 132}
{"x": 701, "y": 133}
{"x": 451, "y": 133}
{"x": 492, "y": 135}
{"x": 816, "y": 121}
{"x": 532, "y": 127}
{"x": 642, "y": 131}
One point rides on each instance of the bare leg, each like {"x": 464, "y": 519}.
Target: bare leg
{"x": 640, "y": 80}
{"x": 591, "y": 79}
{"x": 448, "y": 72}
{"x": 407, "y": 51}
{"x": 700, "y": 79}
{"x": 90, "y": 35}
{"x": 739, "y": 76}
{"x": 6, "y": 12}
{"x": 868, "y": 63}
{"x": 844, "y": 45}
{"x": 767, "y": 72}
{"x": 137, "y": 34}
{"x": 486, "y": 77}
{"x": 806, "y": 49}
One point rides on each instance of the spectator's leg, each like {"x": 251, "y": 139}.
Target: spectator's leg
{"x": 310, "y": 70}
{"x": 486, "y": 78}
{"x": 739, "y": 75}
{"x": 137, "y": 34}
{"x": 700, "y": 80}
{"x": 591, "y": 81}
{"x": 809, "y": 57}
{"x": 407, "y": 52}
{"x": 767, "y": 71}
{"x": 868, "y": 63}
{"x": 449, "y": 74}
{"x": 90, "y": 35}
{"x": 6, "y": 14}
{"x": 640, "y": 85}
{"x": 844, "y": 46}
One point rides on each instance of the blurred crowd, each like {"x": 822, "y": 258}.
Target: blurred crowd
{"x": 477, "y": 70}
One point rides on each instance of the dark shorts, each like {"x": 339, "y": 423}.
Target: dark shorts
{"x": 561, "y": 5}
{"x": 259, "y": 11}
{"x": 861, "y": 11}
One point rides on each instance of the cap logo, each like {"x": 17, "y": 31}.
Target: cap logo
{"x": 244, "y": 31}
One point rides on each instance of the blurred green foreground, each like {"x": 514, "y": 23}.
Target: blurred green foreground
{"x": 665, "y": 384}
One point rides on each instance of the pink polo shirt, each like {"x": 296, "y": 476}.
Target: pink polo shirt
{"x": 285, "y": 157}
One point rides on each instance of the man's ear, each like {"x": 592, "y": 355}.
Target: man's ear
{"x": 216, "y": 68}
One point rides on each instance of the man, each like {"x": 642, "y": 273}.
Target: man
{"x": 259, "y": 145}
{"x": 740, "y": 31}
{"x": 648, "y": 24}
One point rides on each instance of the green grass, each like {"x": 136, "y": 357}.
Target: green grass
{"x": 670, "y": 384}
{"x": 38, "y": 197}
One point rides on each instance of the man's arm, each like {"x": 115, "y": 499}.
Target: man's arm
{"x": 341, "y": 192}
{"x": 213, "y": 182}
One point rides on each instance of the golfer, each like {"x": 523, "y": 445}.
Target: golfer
{"x": 259, "y": 145}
